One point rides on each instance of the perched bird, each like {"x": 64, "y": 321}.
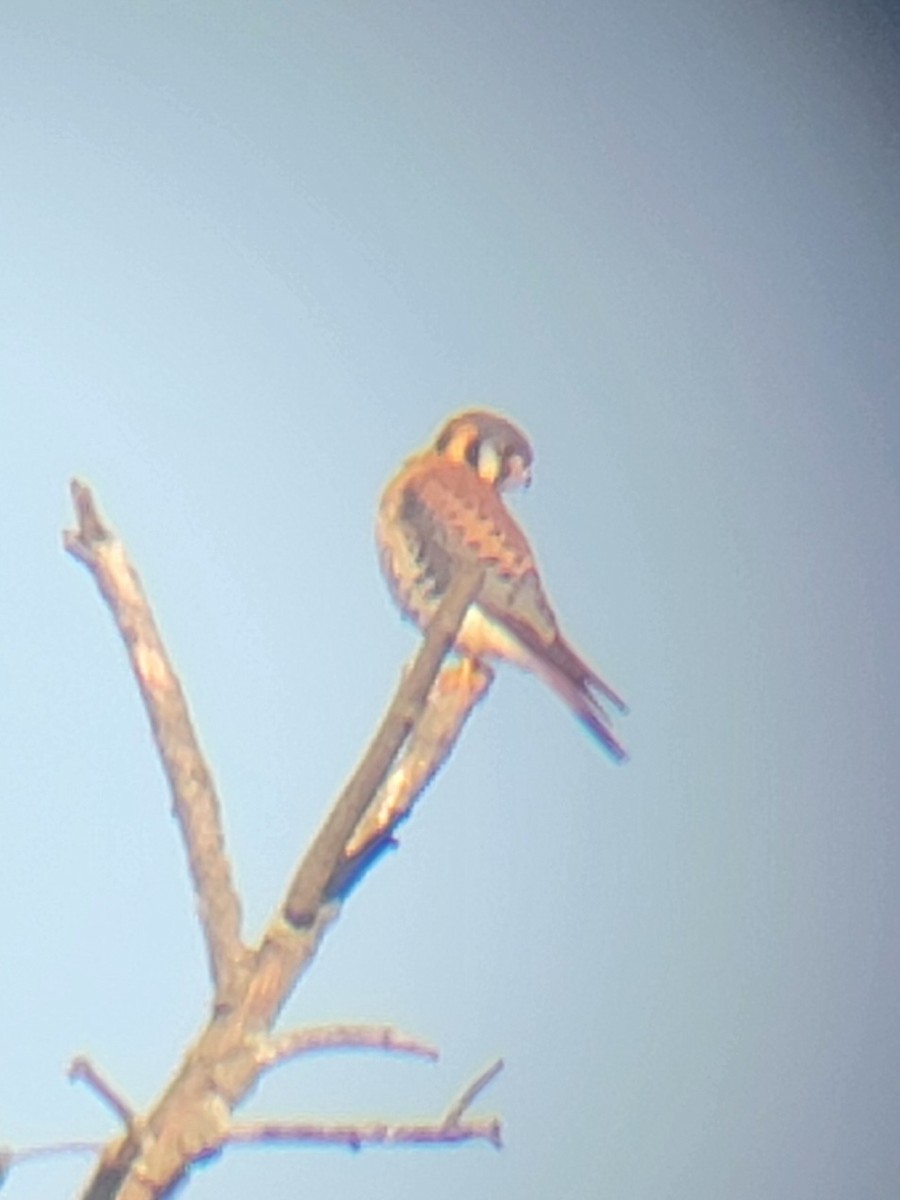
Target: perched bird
{"x": 443, "y": 510}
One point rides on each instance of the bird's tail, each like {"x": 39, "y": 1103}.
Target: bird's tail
{"x": 578, "y": 685}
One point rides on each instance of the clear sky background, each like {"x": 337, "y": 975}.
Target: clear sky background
{"x": 251, "y": 255}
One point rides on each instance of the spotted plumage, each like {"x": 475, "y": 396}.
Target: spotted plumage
{"x": 444, "y": 509}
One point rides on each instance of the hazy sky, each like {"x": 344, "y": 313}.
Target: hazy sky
{"x": 251, "y": 255}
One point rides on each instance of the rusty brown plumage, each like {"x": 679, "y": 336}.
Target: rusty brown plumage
{"x": 443, "y": 509}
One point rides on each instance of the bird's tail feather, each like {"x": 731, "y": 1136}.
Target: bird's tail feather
{"x": 584, "y": 704}
{"x": 570, "y": 677}
{"x": 561, "y": 654}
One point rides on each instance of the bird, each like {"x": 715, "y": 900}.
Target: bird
{"x": 443, "y": 511}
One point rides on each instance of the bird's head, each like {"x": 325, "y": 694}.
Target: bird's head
{"x": 492, "y": 446}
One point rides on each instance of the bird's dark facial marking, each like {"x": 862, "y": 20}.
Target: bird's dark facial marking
{"x": 459, "y": 442}
{"x": 464, "y": 436}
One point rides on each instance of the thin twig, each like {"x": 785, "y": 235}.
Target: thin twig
{"x": 455, "y": 1111}
{"x": 13, "y": 1158}
{"x": 82, "y": 1070}
{"x": 281, "y": 1048}
{"x": 195, "y": 803}
{"x": 356, "y": 1135}
{"x": 318, "y": 866}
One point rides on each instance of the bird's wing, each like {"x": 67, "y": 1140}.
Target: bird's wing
{"x": 445, "y": 516}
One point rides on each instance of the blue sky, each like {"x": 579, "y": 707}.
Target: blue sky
{"x": 251, "y": 255}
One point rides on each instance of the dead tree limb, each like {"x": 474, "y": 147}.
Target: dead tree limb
{"x": 192, "y": 1119}
{"x": 357, "y": 1134}
{"x": 280, "y": 1048}
{"x": 320, "y": 862}
{"x": 194, "y": 800}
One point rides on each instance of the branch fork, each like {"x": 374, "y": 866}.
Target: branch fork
{"x": 193, "y": 1118}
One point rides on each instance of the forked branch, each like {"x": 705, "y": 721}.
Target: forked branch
{"x": 451, "y": 1127}
{"x": 310, "y": 883}
{"x": 193, "y": 1117}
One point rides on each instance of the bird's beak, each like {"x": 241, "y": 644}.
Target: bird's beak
{"x": 518, "y": 474}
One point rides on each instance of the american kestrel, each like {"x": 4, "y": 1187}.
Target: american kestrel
{"x": 444, "y": 509}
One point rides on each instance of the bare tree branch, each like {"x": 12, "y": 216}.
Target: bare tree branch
{"x": 456, "y": 691}
{"x": 82, "y": 1070}
{"x": 14, "y": 1158}
{"x": 281, "y": 1048}
{"x": 326, "y": 852}
{"x": 475, "y": 1088}
{"x": 193, "y": 1117}
{"x": 195, "y": 803}
{"x": 355, "y": 1135}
